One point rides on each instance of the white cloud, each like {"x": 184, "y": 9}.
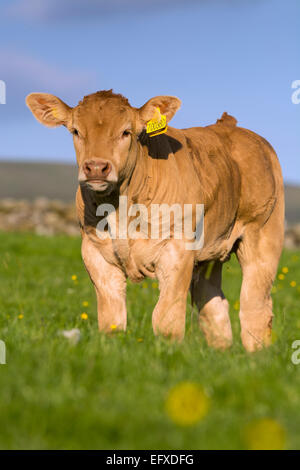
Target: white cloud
{"x": 53, "y": 10}
{"x": 24, "y": 73}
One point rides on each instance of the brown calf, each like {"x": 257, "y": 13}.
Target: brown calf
{"x": 232, "y": 171}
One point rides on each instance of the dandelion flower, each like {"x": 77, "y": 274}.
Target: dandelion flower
{"x": 85, "y": 303}
{"x": 113, "y": 327}
{"x": 293, "y": 283}
{"x": 187, "y": 403}
{"x": 154, "y": 285}
{"x": 84, "y": 316}
{"x": 281, "y": 277}
{"x": 20, "y": 316}
{"x": 140, "y": 340}
{"x": 285, "y": 270}
{"x": 265, "y": 434}
{"x": 74, "y": 277}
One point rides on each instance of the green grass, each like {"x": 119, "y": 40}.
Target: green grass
{"x": 110, "y": 392}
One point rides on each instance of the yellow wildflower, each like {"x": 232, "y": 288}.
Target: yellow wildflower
{"x": 154, "y": 285}
{"x": 265, "y": 434}
{"x": 281, "y": 277}
{"x": 74, "y": 277}
{"x": 285, "y": 270}
{"x": 113, "y": 327}
{"x": 140, "y": 340}
{"x": 293, "y": 283}
{"x": 84, "y": 316}
{"x": 236, "y": 305}
{"x": 187, "y": 403}
{"x": 85, "y": 303}
{"x": 20, "y": 316}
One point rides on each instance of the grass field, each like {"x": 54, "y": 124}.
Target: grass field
{"x": 127, "y": 391}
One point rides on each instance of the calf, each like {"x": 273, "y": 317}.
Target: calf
{"x": 233, "y": 172}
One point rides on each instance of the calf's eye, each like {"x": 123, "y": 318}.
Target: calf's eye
{"x": 126, "y": 133}
{"x": 75, "y": 132}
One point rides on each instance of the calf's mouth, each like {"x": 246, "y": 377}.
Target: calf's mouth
{"x": 98, "y": 185}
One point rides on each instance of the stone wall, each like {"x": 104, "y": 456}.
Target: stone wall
{"x": 41, "y": 216}
{"x": 50, "y": 217}
{"x": 292, "y": 237}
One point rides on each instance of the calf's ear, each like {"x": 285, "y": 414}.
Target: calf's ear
{"x": 48, "y": 109}
{"x": 168, "y": 106}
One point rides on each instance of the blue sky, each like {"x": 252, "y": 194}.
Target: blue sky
{"x": 239, "y": 56}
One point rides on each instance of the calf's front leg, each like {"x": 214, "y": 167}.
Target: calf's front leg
{"x": 174, "y": 272}
{"x": 110, "y": 286}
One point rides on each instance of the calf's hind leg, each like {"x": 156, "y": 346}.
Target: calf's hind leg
{"x": 213, "y": 307}
{"x": 258, "y": 253}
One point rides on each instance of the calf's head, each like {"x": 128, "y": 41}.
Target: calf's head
{"x": 105, "y": 132}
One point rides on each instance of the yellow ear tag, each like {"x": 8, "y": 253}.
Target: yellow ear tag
{"x": 157, "y": 125}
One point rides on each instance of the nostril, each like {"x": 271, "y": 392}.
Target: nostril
{"x": 88, "y": 167}
{"x": 106, "y": 169}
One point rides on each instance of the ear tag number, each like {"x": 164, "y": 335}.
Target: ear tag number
{"x": 157, "y": 125}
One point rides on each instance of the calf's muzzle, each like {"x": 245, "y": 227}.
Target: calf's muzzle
{"x": 96, "y": 169}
